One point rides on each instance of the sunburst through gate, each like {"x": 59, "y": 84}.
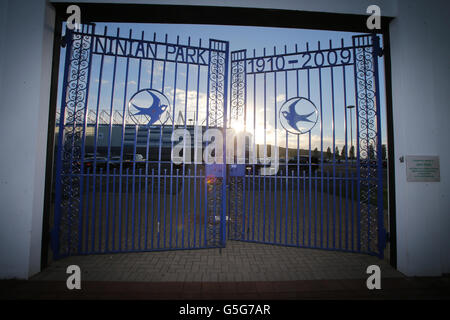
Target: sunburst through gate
{"x": 117, "y": 188}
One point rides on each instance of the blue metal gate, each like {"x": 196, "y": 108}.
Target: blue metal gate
{"x": 117, "y": 189}
{"x": 288, "y": 103}
{"x": 123, "y": 100}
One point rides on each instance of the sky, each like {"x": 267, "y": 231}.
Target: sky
{"x": 185, "y": 85}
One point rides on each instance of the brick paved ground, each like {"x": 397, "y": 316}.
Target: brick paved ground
{"x": 240, "y": 271}
{"x": 239, "y": 261}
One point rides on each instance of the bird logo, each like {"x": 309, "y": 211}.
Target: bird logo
{"x": 149, "y": 105}
{"x": 298, "y": 115}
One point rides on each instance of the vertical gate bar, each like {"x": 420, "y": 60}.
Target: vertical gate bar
{"x": 173, "y": 127}
{"x": 292, "y": 206}
{"x": 153, "y": 219}
{"x": 333, "y": 121}
{"x": 247, "y": 228}
{"x": 298, "y": 160}
{"x": 139, "y": 209}
{"x": 121, "y": 150}
{"x": 100, "y": 224}
{"x": 182, "y": 207}
{"x": 197, "y": 160}
{"x": 159, "y": 150}
{"x": 127, "y": 176}
{"x": 280, "y": 235}
{"x": 205, "y": 208}
{"x": 298, "y": 182}
{"x": 146, "y": 167}
{"x": 244, "y": 57}
{"x": 259, "y": 208}
{"x": 152, "y": 210}
{"x": 113, "y": 209}
{"x": 214, "y": 231}
{"x": 224, "y": 175}
{"x": 321, "y": 151}
{"x": 146, "y": 211}
{"x": 328, "y": 209}
{"x": 94, "y": 167}
{"x": 309, "y": 154}
{"x": 176, "y": 211}
{"x": 164, "y": 206}
{"x": 93, "y": 212}
{"x": 80, "y": 208}
{"x": 207, "y": 127}
{"x": 381, "y": 231}
{"x": 189, "y": 209}
{"x": 185, "y": 127}
{"x": 133, "y": 188}
{"x": 121, "y": 153}
{"x": 304, "y": 207}
{"x": 254, "y": 205}
{"x": 86, "y": 233}
{"x": 310, "y": 187}
{"x": 315, "y": 205}
{"x": 340, "y": 211}
{"x": 286, "y": 190}
{"x": 108, "y": 157}
{"x": 286, "y": 159}
{"x": 346, "y": 151}
{"x": 133, "y": 159}
{"x": 276, "y": 146}
{"x": 353, "y": 178}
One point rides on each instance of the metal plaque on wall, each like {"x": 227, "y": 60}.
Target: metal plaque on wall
{"x": 422, "y": 169}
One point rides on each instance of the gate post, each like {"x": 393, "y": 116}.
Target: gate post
{"x": 377, "y": 52}
{"x": 369, "y": 166}
{"x": 68, "y": 202}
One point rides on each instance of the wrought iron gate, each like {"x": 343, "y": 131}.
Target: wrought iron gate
{"x": 118, "y": 190}
{"x": 312, "y": 199}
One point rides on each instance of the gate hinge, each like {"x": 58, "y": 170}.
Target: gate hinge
{"x": 380, "y": 52}
{"x": 63, "y": 41}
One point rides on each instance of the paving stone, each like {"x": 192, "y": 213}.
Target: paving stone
{"x": 239, "y": 261}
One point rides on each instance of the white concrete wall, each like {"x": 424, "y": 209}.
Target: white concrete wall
{"x": 421, "y": 104}
{"x": 25, "y": 65}
{"x": 420, "y": 68}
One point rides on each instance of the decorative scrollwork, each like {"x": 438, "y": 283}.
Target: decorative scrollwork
{"x": 238, "y": 83}
{"x": 368, "y": 141}
{"x": 217, "y": 81}
{"x": 74, "y": 117}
